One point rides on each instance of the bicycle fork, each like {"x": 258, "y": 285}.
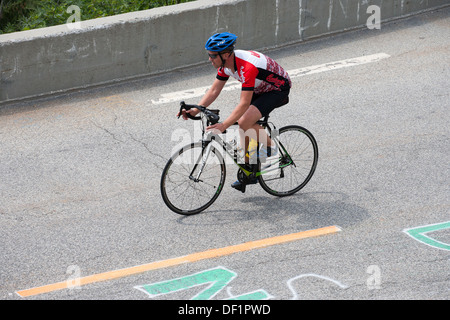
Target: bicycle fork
{"x": 203, "y": 157}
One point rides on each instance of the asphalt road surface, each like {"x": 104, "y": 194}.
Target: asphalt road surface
{"x": 80, "y": 173}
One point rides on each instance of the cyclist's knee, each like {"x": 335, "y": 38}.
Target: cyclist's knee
{"x": 244, "y": 124}
{"x": 249, "y": 118}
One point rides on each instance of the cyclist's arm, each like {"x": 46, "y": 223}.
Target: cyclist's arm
{"x": 212, "y": 93}
{"x": 208, "y": 98}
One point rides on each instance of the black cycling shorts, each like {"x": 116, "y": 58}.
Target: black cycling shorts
{"x": 268, "y": 101}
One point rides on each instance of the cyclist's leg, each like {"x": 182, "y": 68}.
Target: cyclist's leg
{"x": 249, "y": 130}
{"x": 263, "y": 105}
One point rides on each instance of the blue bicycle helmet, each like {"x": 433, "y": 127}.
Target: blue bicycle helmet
{"x": 220, "y": 41}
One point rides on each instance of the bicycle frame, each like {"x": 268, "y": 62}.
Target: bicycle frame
{"x": 204, "y": 162}
{"x": 209, "y": 136}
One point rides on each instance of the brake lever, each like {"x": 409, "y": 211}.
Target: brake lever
{"x": 187, "y": 107}
{"x": 213, "y": 118}
{"x": 182, "y": 106}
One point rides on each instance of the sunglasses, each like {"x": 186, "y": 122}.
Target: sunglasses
{"x": 213, "y": 55}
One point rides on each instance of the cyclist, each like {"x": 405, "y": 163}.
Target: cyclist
{"x": 265, "y": 86}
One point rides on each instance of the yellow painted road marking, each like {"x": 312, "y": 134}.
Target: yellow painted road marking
{"x": 208, "y": 254}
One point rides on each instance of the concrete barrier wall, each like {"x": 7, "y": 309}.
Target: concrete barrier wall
{"x": 58, "y": 59}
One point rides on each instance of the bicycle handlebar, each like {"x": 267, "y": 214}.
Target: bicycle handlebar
{"x": 212, "y": 115}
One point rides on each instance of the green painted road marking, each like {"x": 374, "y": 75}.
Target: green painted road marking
{"x": 418, "y": 233}
{"x": 217, "y": 279}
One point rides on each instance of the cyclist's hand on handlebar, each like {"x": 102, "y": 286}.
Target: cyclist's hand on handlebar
{"x": 217, "y": 128}
{"x": 192, "y": 112}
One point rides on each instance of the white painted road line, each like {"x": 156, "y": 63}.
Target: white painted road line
{"x": 198, "y": 92}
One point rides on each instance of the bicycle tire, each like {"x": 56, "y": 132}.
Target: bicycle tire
{"x": 290, "y": 177}
{"x": 180, "y": 192}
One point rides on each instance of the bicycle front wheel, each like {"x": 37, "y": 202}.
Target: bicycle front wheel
{"x": 298, "y": 156}
{"x": 193, "y": 179}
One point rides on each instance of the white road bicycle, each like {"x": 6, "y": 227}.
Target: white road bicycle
{"x": 194, "y": 176}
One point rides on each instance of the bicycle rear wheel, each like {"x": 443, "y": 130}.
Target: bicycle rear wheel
{"x": 296, "y": 164}
{"x": 182, "y": 189}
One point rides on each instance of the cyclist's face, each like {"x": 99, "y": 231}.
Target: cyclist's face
{"x": 214, "y": 59}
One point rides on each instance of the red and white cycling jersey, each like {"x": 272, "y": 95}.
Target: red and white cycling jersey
{"x": 256, "y": 72}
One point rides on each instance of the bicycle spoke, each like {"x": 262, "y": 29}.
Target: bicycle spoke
{"x": 299, "y": 150}
{"x": 180, "y": 188}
